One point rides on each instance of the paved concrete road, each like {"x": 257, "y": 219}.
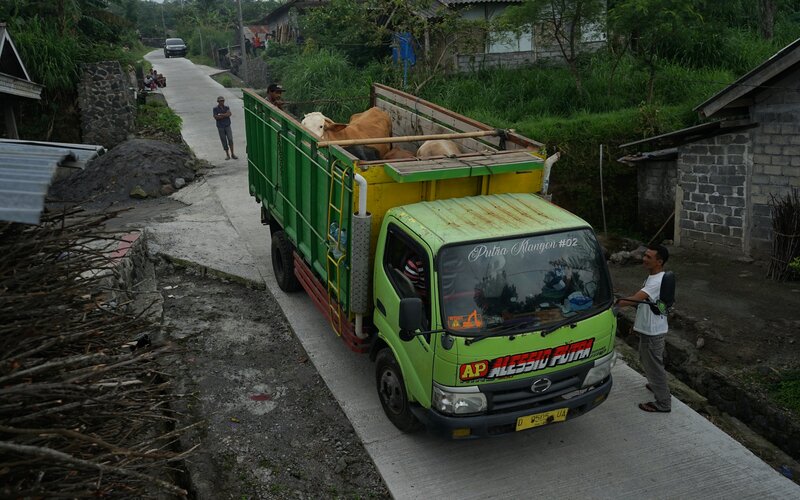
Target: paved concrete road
{"x": 616, "y": 451}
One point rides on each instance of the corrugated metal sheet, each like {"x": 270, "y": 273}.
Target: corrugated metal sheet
{"x": 26, "y": 171}
{"x": 482, "y": 217}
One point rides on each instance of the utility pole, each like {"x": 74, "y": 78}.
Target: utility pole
{"x": 241, "y": 43}
{"x": 163, "y": 24}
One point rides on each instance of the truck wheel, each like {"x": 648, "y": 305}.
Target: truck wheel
{"x": 283, "y": 263}
{"x": 392, "y": 392}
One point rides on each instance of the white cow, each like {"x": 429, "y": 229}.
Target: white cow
{"x": 439, "y": 147}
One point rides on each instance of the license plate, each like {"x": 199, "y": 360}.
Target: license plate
{"x": 539, "y": 419}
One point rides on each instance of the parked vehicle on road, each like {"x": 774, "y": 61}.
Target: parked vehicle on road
{"x": 175, "y": 47}
{"x": 486, "y": 308}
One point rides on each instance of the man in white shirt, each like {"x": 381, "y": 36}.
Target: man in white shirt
{"x": 652, "y": 329}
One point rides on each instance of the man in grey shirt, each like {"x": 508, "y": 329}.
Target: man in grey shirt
{"x": 222, "y": 114}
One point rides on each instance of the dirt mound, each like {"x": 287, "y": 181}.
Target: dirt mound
{"x": 139, "y": 168}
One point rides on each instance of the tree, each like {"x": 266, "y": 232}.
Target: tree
{"x": 766, "y": 12}
{"x": 561, "y": 21}
{"x": 654, "y": 29}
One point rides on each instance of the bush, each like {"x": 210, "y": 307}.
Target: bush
{"x": 156, "y": 120}
{"x": 787, "y": 391}
{"x": 226, "y": 81}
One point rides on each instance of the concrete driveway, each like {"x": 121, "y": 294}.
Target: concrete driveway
{"x": 616, "y": 451}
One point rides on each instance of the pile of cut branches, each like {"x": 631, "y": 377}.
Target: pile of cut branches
{"x": 83, "y": 411}
{"x": 785, "y": 235}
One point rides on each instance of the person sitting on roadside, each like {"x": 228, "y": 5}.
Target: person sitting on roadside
{"x": 159, "y": 79}
{"x": 149, "y": 83}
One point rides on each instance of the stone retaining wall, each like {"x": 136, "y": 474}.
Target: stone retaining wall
{"x": 106, "y": 98}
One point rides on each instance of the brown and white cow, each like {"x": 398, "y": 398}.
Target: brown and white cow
{"x": 438, "y": 147}
{"x": 372, "y": 123}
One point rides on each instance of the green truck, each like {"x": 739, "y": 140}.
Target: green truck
{"x": 486, "y": 308}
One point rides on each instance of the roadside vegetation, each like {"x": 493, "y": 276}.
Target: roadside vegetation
{"x": 645, "y": 80}
{"x": 156, "y": 120}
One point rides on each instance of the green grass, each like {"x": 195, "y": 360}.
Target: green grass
{"x": 154, "y": 119}
{"x": 787, "y": 391}
{"x": 201, "y": 59}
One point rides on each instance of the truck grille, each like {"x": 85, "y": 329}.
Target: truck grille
{"x": 518, "y": 395}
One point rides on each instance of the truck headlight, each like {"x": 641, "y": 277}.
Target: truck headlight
{"x": 600, "y": 370}
{"x": 458, "y": 400}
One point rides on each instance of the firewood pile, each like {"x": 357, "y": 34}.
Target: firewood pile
{"x": 85, "y": 407}
{"x": 785, "y": 213}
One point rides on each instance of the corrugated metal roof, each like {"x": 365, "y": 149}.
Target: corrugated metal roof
{"x": 484, "y": 217}
{"x": 26, "y": 170}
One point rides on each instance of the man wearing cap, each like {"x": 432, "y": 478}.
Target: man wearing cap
{"x": 275, "y": 95}
{"x": 222, "y": 114}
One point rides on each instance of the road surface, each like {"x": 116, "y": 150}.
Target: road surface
{"x": 615, "y": 451}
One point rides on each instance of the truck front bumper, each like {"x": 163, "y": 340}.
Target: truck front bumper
{"x": 475, "y": 426}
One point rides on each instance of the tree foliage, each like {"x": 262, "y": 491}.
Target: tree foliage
{"x": 561, "y": 22}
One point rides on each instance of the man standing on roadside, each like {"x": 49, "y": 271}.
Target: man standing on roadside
{"x": 222, "y": 114}
{"x": 652, "y": 329}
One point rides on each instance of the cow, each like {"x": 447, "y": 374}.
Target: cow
{"x": 365, "y": 153}
{"x": 372, "y": 123}
{"x": 439, "y": 147}
{"x": 398, "y": 154}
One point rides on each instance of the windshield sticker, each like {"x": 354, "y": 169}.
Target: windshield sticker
{"x": 521, "y": 248}
{"x": 507, "y": 366}
{"x": 473, "y": 320}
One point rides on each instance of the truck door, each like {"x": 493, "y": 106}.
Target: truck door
{"x": 407, "y": 265}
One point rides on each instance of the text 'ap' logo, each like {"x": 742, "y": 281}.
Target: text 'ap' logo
{"x": 470, "y": 371}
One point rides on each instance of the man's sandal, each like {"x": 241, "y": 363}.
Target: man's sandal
{"x": 651, "y": 407}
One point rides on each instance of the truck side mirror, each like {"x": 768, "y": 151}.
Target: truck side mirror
{"x": 410, "y": 317}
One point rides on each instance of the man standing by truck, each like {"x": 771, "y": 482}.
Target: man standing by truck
{"x": 652, "y": 329}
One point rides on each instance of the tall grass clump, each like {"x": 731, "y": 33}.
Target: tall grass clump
{"x": 155, "y": 119}
{"x": 324, "y": 80}
{"x": 204, "y": 41}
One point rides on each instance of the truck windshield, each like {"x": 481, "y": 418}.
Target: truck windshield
{"x": 522, "y": 284}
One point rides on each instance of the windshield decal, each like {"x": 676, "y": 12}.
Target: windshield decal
{"x": 507, "y": 366}
{"x": 521, "y": 248}
{"x": 473, "y": 320}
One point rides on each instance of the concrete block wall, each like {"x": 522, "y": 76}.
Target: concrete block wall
{"x": 107, "y": 103}
{"x": 656, "y": 185}
{"x": 713, "y": 175}
{"x": 776, "y": 154}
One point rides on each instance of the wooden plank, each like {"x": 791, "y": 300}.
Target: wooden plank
{"x": 451, "y": 168}
{"x": 409, "y": 138}
{"x": 442, "y": 115}
{"x": 439, "y": 163}
{"x": 431, "y": 111}
{"x": 410, "y": 123}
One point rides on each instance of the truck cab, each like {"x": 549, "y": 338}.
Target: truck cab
{"x": 492, "y": 315}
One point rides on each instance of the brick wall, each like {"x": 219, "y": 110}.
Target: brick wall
{"x": 475, "y": 62}
{"x": 712, "y": 176}
{"x": 776, "y": 154}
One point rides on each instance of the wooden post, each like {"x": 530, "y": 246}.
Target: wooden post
{"x": 407, "y": 138}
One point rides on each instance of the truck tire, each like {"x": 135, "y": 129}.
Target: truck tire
{"x": 283, "y": 263}
{"x": 392, "y": 392}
